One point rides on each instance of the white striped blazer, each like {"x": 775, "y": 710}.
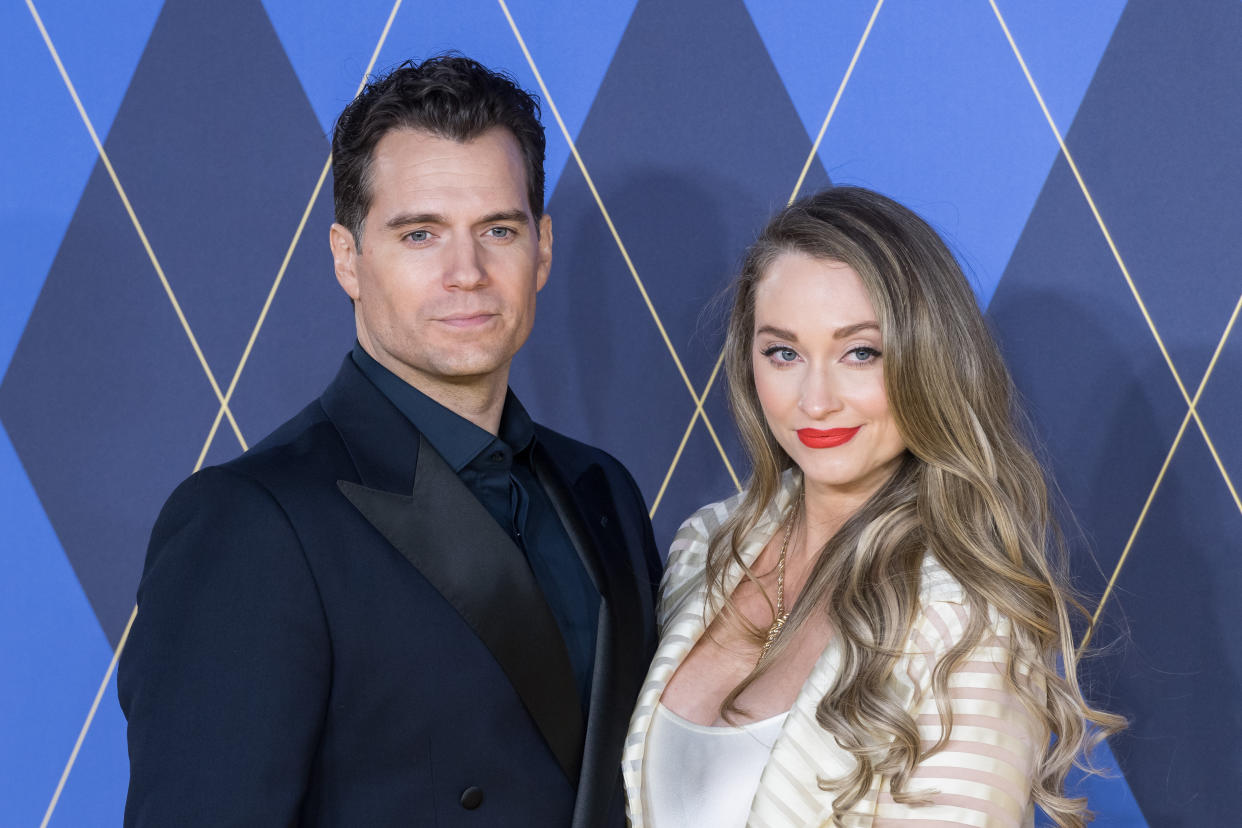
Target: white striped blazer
{"x": 983, "y": 776}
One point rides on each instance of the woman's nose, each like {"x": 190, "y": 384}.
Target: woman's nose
{"x": 820, "y": 396}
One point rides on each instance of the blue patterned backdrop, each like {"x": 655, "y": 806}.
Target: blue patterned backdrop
{"x": 169, "y": 297}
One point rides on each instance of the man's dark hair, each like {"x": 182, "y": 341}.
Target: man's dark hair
{"x": 449, "y": 96}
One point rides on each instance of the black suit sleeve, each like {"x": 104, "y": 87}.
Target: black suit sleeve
{"x": 224, "y": 678}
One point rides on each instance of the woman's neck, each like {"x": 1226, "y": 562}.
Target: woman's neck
{"x": 824, "y": 513}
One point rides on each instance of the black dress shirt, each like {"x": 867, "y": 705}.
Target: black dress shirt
{"x": 498, "y": 470}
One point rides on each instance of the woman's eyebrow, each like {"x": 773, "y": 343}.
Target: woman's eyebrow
{"x": 779, "y": 333}
{"x": 850, "y": 330}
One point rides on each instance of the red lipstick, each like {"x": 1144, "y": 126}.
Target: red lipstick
{"x": 814, "y": 438}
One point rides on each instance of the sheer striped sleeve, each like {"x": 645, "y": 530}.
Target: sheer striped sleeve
{"x": 982, "y": 776}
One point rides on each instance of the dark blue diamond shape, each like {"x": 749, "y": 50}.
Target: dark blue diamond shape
{"x": 1106, "y": 402}
{"x": 691, "y": 152}
{"x": 105, "y": 401}
{"x": 1156, "y": 139}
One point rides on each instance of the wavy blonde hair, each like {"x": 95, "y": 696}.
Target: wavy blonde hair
{"x": 968, "y": 490}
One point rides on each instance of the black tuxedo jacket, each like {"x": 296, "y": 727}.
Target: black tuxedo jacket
{"x": 332, "y": 630}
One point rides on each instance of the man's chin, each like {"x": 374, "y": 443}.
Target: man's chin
{"x": 470, "y": 369}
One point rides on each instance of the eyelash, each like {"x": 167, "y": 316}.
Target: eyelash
{"x": 872, "y": 354}
{"x": 509, "y": 233}
{"x": 772, "y": 350}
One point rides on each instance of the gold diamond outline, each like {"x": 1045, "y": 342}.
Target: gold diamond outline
{"x": 297, "y": 237}
{"x": 1164, "y": 467}
{"x": 133, "y": 216}
{"x": 1191, "y": 403}
{"x": 810, "y": 159}
{"x": 1192, "y": 411}
{"x": 224, "y": 409}
{"x": 616, "y": 237}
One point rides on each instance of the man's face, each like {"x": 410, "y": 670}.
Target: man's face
{"x": 451, "y": 259}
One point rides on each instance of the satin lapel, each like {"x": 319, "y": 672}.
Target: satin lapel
{"x": 788, "y": 795}
{"x": 687, "y": 616}
{"x": 451, "y": 539}
{"x": 586, "y": 512}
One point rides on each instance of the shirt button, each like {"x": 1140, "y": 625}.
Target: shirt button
{"x": 497, "y": 456}
{"x": 471, "y": 798}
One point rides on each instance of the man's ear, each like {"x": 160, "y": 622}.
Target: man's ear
{"x": 545, "y": 251}
{"x": 344, "y": 256}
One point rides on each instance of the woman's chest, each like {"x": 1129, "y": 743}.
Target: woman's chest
{"x": 726, "y": 655}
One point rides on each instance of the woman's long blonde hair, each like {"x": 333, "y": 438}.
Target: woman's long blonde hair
{"x": 968, "y": 490}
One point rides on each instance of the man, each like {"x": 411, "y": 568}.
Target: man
{"x": 409, "y": 605}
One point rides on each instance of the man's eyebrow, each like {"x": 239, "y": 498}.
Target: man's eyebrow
{"x": 406, "y": 219}
{"x": 505, "y": 215}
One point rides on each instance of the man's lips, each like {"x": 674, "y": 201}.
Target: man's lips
{"x": 467, "y": 320}
{"x": 815, "y": 438}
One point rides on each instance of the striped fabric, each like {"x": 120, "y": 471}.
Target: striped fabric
{"x": 981, "y": 778}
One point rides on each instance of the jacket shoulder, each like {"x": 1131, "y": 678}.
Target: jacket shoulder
{"x": 937, "y": 585}
{"x": 686, "y": 565}
{"x": 574, "y": 455}
{"x": 304, "y": 448}
{"x": 576, "y": 458}
{"x": 706, "y": 520}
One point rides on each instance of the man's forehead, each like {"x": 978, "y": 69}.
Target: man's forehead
{"x": 417, "y": 172}
{"x": 405, "y": 140}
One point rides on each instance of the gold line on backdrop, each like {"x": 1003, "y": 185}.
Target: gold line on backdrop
{"x": 1117, "y": 256}
{"x": 1191, "y": 403}
{"x": 836, "y": 99}
{"x": 573, "y": 148}
{"x": 129, "y": 209}
{"x": 699, "y": 399}
{"x": 810, "y": 158}
{"x": 1164, "y": 467}
{"x": 297, "y": 235}
{"x": 224, "y": 409}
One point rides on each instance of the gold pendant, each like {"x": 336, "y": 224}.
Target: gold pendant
{"x": 773, "y": 631}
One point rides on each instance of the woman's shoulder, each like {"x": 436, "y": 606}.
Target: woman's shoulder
{"x": 937, "y": 584}
{"x": 687, "y": 555}
{"x": 697, "y": 530}
{"x": 705, "y": 520}
{"x": 945, "y": 610}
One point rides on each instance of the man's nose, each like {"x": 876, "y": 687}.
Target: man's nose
{"x": 465, "y": 266}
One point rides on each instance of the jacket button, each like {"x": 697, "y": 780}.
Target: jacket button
{"x": 471, "y": 798}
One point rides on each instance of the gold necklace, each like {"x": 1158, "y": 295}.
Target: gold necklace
{"x": 781, "y": 615}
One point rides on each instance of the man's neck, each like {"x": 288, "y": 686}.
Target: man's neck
{"x": 479, "y": 399}
{"x": 481, "y": 402}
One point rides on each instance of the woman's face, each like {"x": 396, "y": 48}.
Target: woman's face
{"x": 818, "y": 366}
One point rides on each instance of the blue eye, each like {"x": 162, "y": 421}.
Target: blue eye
{"x": 500, "y": 232}
{"x": 863, "y": 354}
{"x": 780, "y": 354}
{"x": 418, "y": 235}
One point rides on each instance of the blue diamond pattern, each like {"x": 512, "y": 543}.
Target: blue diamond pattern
{"x": 694, "y": 119}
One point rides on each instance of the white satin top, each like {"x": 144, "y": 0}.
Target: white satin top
{"x": 697, "y": 775}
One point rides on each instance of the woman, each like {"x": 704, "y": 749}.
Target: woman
{"x": 870, "y": 632}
